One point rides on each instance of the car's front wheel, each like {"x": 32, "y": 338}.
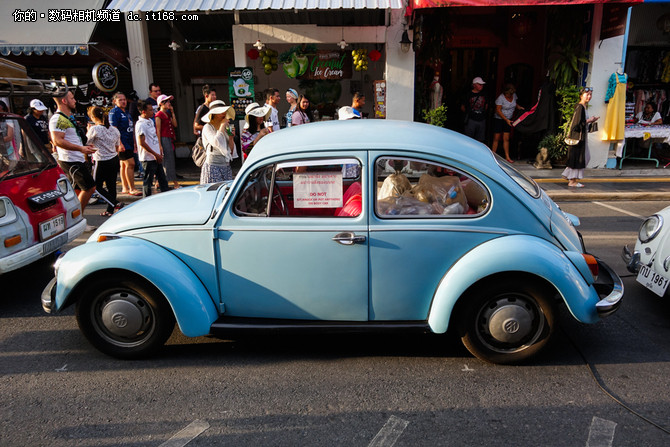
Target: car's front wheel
{"x": 124, "y": 317}
{"x": 507, "y": 322}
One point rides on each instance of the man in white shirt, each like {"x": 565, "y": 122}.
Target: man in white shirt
{"x": 149, "y": 150}
{"x": 72, "y": 152}
{"x": 272, "y": 99}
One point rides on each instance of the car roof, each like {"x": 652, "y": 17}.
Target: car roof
{"x": 371, "y": 134}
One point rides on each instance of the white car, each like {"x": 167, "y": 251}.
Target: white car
{"x": 651, "y": 257}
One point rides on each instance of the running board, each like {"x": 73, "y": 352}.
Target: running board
{"x": 226, "y": 326}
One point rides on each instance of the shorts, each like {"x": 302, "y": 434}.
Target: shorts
{"x": 500, "y": 126}
{"x": 78, "y": 173}
{"x": 126, "y": 155}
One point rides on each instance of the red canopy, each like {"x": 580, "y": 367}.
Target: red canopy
{"x": 416, "y": 4}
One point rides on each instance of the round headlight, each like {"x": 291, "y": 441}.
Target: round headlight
{"x": 650, "y": 228}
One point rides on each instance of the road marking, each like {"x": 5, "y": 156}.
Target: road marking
{"x": 467, "y": 368}
{"x": 62, "y": 368}
{"x": 614, "y": 208}
{"x": 601, "y": 433}
{"x": 389, "y": 433}
{"x": 187, "y": 434}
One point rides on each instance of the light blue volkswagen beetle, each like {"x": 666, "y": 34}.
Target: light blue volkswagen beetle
{"x": 345, "y": 226}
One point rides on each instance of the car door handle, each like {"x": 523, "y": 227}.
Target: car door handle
{"x": 348, "y": 238}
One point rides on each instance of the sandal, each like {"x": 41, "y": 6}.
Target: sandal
{"x": 106, "y": 214}
{"x": 119, "y": 206}
{"x": 135, "y": 193}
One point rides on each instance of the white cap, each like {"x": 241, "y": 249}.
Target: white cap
{"x": 37, "y": 105}
{"x": 478, "y": 80}
{"x": 346, "y": 113}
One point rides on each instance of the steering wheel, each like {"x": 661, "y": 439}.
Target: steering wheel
{"x": 277, "y": 198}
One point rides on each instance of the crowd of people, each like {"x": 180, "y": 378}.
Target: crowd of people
{"x": 141, "y": 135}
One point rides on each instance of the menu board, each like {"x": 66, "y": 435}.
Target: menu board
{"x": 380, "y": 99}
{"x": 240, "y": 89}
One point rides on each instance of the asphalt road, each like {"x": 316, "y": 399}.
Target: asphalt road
{"x": 56, "y": 390}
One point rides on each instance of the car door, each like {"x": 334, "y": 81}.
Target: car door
{"x": 425, "y": 215}
{"x": 293, "y": 241}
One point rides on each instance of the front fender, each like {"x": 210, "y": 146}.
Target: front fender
{"x": 192, "y": 305}
{"x": 516, "y": 253}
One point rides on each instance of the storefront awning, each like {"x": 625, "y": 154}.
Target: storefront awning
{"x": 241, "y": 5}
{"x": 54, "y": 27}
{"x": 417, "y": 4}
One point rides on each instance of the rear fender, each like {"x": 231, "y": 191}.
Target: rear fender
{"x": 191, "y": 303}
{"x": 510, "y": 254}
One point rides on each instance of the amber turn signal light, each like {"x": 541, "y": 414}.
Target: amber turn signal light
{"x": 12, "y": 241}
{"x": 592, "y": 262}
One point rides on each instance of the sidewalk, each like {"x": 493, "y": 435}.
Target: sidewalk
{"x": 637, "y": 180}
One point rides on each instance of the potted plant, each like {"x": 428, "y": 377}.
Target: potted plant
{"x": 557, "y": 150}
{"x": 436, "y": 117}
{"x": 567, "y": 98}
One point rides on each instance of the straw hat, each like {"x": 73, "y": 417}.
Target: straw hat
{"x": 217, "y": 107}
{"x": 254, "y": 109}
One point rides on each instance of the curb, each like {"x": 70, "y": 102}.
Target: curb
{"x": 610, "y": 196}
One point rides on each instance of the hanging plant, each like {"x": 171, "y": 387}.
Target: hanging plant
{"x": 566, "y": 49}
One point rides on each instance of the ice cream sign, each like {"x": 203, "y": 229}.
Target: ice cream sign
{"x": 322, "y": 65}
{"x": 317, "y": 190}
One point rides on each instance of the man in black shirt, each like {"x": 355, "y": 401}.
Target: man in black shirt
{"x": 210, "y": 95}
{"x": 37, "y": 120}
{"x": 475, "y": 106}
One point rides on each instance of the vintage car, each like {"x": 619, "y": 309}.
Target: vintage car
{"x": 39, "y": 210}
{"x": 650, "y": 258}
{"x": 371, "y": 225}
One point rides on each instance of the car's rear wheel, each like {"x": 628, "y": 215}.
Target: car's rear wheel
{"x": 507, "y": 322}
{"x": 124, "y": 317}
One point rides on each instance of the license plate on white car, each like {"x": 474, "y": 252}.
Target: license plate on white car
{"x": 51, "y": 227}
{"x": 653, "y": 281}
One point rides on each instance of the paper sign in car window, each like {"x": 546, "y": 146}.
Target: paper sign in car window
{"x": 317, "y": 190}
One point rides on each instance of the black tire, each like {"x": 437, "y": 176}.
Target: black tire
{"x": 507, "y": 322}
{"x": 124, "y": 317}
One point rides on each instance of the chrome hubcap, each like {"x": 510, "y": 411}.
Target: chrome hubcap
{"x": 510, "y": 323}
{"x": 124, "y": 318}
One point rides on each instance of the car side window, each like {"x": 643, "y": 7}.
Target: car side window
{"x": 303, "y": 188}
{"x": 424, "y": 188}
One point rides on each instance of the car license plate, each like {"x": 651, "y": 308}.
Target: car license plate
{"x": 653, "y": 281}
{"x": 54, "y": 244}
{"x": 52, "y": 226}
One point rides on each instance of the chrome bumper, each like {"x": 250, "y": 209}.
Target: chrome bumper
{"x": 609, "y": 304}
{"x": 632, "y": 260}
{"x": 48, "y": 295}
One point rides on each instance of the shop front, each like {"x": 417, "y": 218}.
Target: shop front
{"x": 647, "y": 65}
{"x": 523, "y": 43}
{"x": 66, "y": 40}
{"x": 322, "y": 51}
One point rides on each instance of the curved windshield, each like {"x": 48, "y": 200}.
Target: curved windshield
{"x": 527, "y": 183}
{"x": 20, "y": 151}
